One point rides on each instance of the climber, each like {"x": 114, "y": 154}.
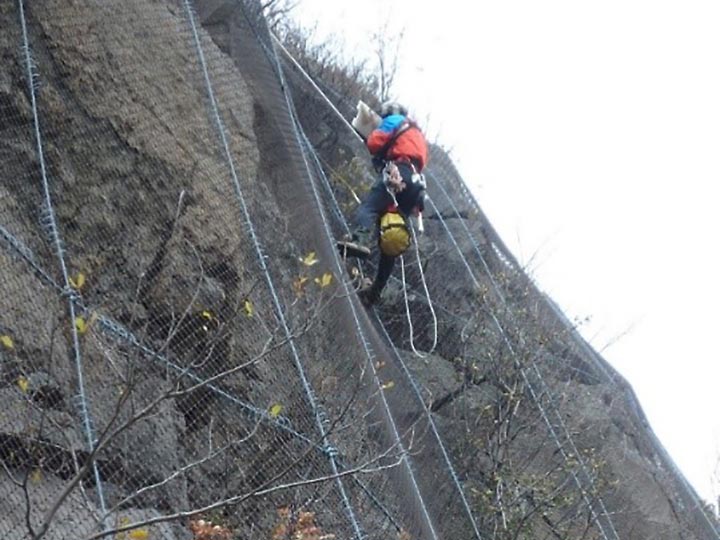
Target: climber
{"x": 399, "y": 154}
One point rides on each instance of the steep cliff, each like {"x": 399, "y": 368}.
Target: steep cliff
{"x": 180, "y": 340}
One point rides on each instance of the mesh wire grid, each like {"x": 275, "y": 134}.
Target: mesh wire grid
{"x": 207, "y": 355}
{"x": 497, "y": 276}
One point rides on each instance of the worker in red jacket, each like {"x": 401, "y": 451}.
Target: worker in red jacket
{"x": 399, "y": 152}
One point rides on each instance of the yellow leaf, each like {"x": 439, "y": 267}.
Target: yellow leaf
{"x": 207, "y": 315}
{"x": 324, "y": 280}
{"x": 139, "y": 534}
{"x": 388, "y": 385}
{"x": 275, "y": 410}
{"x": 7, "y": 342}
{"x": 81, "y": 325}
{"x": 77, "y": 282}
{"x": 36, "y": 476}
{"x": 249, "y": 309}
{"x": 23, "y": 383}
{"x": 309, "y": 259}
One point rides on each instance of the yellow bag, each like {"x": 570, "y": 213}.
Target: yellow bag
{"x": 394, "y": 234}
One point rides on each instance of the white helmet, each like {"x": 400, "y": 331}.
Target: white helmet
{"x": 392, "y": 107}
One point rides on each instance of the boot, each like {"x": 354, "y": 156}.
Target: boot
{"x": 357, "y": 245}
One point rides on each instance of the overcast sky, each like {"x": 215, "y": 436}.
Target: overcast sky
{"x": 590, "y": 134}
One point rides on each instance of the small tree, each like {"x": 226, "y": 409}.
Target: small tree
{"x": 387, "y": 43}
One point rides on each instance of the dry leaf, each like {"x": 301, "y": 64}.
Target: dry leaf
{"x": 205, "y": 530}
{"x": 388, "y": 385}
{"x": 299, "y": 284}
{"x": 36, "y": 476}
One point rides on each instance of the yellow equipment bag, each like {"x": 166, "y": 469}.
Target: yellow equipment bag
{"x": 394, "y": 234}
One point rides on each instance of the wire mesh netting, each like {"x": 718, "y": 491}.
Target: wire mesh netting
{"x": 183, "y": 355}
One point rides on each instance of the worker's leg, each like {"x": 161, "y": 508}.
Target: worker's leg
{"x": 385, "y": 268}
{"x": 366, "y": 219}
{"x": 369, "y": 211}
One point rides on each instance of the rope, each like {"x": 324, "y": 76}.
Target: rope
{"x": 537, "y": 402}
{"x": 361, "y": 334}
{"x": 50, "y": 223}
{"x": 427, "y": 295}
{"x": 320, "y": 417}
{"x": 540, "y": 379}
{"x": 532, "y": 391}
{"x": 507, "y": 259}
{"x": 488, "y": 272}
{"x": 433, "y": 427}
{"x": 118, "y": 331}
{"x": 446, "y": 456}
{"x": 23, "y": 252}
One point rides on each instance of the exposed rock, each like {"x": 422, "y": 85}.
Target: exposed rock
{"x": 173, "y": 223}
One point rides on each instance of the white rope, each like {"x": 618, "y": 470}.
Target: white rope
{"x": 427, "y": 295}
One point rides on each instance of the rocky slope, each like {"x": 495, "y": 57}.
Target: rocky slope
{"x": 211, "y": 353}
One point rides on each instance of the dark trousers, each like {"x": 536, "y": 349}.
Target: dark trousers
{"x": 378, "y": 200}
{"x": 375, "y": 204}
{"x": 385, "y": 268}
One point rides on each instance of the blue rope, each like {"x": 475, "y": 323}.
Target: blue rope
{"x": 50, "y": 223}
{"x": 408, "y": 375}
{"x": 437, "y": 182}
{"x": 536, "y": 399}
{"x": 14, "y": 244}
{"x": 320, "y": 417}
{"x": 539, "y": 405}
{"x": 118, "y": 331}
{"x": 370, "y": 355}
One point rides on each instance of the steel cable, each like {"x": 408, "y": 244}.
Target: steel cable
{"x": 320, "y": 418}
{"x": 51, "y": 223}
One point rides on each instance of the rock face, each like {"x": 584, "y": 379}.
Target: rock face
{"x": 154, "y": 179}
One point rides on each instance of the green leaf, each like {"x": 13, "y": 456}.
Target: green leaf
{"x": 275, "y": 410}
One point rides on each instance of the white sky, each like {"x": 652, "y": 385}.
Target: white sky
{"x": 590, "y": 134}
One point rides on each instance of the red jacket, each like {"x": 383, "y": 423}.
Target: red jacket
{"x": 409, "y": 145}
